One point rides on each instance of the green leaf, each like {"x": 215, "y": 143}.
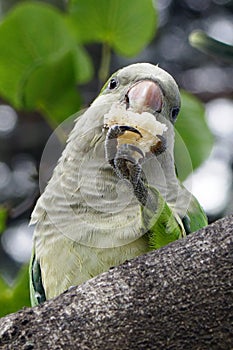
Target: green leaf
{"x": 194, "y": 140}
{"x": 35, "y": 43}
{"x": 183, "y": 160}
{"x": 3, "y": 218}
{"x": 82, "y": 65}
{"x": 125, "y": 25}
{"x": 14, "y": 298}
{"x": 51, "y": 89}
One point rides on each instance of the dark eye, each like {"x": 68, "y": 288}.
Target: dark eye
{"x": 174, "y": 114}
{"x": 113, "y": 83}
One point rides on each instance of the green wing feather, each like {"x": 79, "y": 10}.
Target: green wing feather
{"x": 165, "y": 226}
{"x": 37, "y": 293}
{"x": 195, "y": 217}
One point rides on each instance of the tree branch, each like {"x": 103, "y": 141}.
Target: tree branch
{"x": 178, "y": 297}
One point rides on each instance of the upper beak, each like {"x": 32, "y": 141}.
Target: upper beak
{"x": 145, "y": 95}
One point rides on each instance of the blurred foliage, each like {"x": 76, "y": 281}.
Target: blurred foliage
{"x": 193, "y": 137}
{"x": 126, "y": 26}
{"x": 3, "y": 218}
{"x": 43, "y": 61}
{"x": 211, "y": 46}
{"x": 13, "y": 298}
{"x": 41, "y": 66}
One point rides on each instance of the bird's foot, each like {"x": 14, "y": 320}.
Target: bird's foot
{"x": 124, "y": 158}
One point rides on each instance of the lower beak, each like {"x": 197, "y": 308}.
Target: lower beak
{"x": 143, "y": 96}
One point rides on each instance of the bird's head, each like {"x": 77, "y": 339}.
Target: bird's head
{"x": 143, "y": 87}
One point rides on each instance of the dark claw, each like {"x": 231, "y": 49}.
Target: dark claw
{"x": 160, "y": 147}
{"x": 111, "y": 140}
{"x": 126, "y": 148}
{"x": 118, "y": 130}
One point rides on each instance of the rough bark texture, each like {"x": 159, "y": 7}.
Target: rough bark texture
{"x": 179, "y": 297}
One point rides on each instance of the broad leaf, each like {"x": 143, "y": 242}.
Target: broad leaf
{"x": 51, "y": 89}
{"x": 34, "y": 39}
{"x": 193, "y": 137}
{"x": 126, "y": 25}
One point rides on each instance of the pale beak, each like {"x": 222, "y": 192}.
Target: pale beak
{"x": 145, "y": 95}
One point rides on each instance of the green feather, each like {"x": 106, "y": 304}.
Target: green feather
{"x": 37, "y": 293}
{"x": 165, "y": 226}
{"x": 195, "y": 218}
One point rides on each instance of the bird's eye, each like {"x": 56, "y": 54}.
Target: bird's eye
{"x": 174, "y": 113}
{"x": 113, "y": 83}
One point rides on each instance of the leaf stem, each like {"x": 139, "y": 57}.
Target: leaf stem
{"x": 209, "y": 45}
{"x": 105, "y": 63}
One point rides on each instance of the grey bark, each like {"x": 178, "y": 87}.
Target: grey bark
{"x": 178, "y": 297}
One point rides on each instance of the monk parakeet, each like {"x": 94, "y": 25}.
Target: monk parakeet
{"x": 114, "y": 193}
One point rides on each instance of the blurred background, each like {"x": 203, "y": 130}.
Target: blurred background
{"x": 24, "y": 130}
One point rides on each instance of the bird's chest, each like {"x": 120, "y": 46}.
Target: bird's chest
{"x": 77, "y": 263}
{"x": 91, "y": 205}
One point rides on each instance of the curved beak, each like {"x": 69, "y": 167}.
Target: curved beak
{"x": 145, "y": 95}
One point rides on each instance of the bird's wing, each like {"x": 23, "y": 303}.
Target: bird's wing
{"x": 37, "y": 293}
{"x": 164, "y": 224}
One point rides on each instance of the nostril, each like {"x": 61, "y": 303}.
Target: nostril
{"x": 127, "y": 101}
